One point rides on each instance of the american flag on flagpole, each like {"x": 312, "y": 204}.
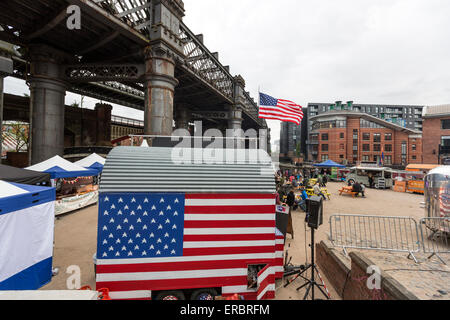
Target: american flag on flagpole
{"x": 155, "y": 242}
{"x": 279, "y": 109}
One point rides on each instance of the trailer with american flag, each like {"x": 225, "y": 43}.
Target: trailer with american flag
{"x": 192, "y": 224}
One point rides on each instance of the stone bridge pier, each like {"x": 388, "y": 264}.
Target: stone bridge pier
{"x": 47, "y": 94}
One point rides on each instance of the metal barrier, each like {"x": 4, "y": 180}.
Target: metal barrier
{"x": 396, "y": 234}
{"x": 435, "y": 236}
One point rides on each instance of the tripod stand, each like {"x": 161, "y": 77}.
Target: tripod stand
{"x": 311, "y": 283}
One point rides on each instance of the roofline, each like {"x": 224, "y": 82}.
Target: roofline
{"x": 366, "y": 116}
{"x": 436, "y": 115}
{"x": 372, "y": 104}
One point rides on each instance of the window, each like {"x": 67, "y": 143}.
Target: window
{"x": 366, "y": 136}
{"x": 414, "y": 147}
{"x": 376, "y": 137}
{"x": 404, "y": 150}
{"x": 325, "y": 136}
{"x": 445, "y": 124}
{"x": 324, "y": 157}
{"x": 341, "y": 156}
{"x": 341, "y": 135}
{"x": 388, "y": 137}
{"x": 324, "y": 147}
{"x": 388, "y": 148}
{"x": 388, "y": 160}
{"x": 365, "y": 158}
{"x": 377, "y": 147}
{"x": 414, "y": 157}
{"x": 366, "y": 147}
{"x": 445, "y": 141}
{"x": 342, "y": 146}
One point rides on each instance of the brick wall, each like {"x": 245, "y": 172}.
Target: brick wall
{"x": 338, "y": 146}
{"x": 432, "y": 134}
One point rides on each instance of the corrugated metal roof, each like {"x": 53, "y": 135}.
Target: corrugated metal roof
{"x": 135, "y": 169}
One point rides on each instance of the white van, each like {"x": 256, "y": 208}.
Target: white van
{"x": 382, "y": 177}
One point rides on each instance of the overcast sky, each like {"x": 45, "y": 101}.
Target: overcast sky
{"x": 368, "y": 51}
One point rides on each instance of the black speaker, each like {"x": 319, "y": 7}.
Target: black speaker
{"x": 315, "y": 211}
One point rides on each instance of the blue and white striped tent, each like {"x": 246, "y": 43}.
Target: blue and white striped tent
{"x": 27, "y": 215}
{"x": 61, "y": 168}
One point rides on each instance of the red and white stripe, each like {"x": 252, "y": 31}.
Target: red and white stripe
{"x": 223, "y": 234}
{"x": 279, "y": 256}
{"x": 285, "y": 110}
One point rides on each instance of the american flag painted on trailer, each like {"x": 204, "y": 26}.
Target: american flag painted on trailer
{"x": 172, "y": 241}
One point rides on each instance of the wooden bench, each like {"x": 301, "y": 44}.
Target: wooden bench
{"x": 348, "y": 190}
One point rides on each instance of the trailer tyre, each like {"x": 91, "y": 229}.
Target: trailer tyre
{"x": 171, "y": 295}
{"x": 204, "y": 294}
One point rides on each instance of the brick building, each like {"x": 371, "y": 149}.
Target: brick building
{"x": 436, "y": 135}
{"x": 350, "y": 137}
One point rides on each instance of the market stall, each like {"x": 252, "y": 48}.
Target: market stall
{"x": 17, "y": 175}
{"x": 76, "y": 186}
{"x": 26, "y": 236}
{"x": 332, "y": 167}
{"x": 94, "y": 161}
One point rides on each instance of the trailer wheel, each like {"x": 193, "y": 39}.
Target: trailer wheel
{"x": 204, "y": 294}
{"x": 171, "y": 295}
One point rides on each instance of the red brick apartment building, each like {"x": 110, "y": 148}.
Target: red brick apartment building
{"x": 350, "y": 137}
{"x": 436, "y": 135}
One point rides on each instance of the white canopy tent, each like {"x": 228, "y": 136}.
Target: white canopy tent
{"x": 94, "y": 161}
{"x": 62, "y": 168}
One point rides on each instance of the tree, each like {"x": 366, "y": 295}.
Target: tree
{"x": 19, "y": 133}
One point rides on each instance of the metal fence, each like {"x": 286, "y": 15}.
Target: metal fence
{"x": 435, "y": 234}
{"x": 396, "y": 234}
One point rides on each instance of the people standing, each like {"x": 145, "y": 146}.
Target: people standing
{"x": 370, "y": 175}
{"x": 291, "y": 203}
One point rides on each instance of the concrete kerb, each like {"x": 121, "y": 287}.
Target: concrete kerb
{"x": 341, "y": 272}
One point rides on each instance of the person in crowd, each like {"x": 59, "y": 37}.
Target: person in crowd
{"x": 363, "y": 190}
{"x": 291, "y": 199}
{"x": 320, "y": 180}
{"x": 370, "y": 176}
{"x": 318, "y": 191}
{"x": 291, "y": 178}
{"x": 358, "y": 189}
{"x": 304, "y": 197}
{"x": 325, "y": 180}
{"x": 278, "y": 199}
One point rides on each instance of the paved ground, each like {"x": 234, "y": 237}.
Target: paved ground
{"x": 75, "y": 240}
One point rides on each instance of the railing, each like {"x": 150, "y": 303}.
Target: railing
{"x": 204, "y": 63}
{"x": 135, "y": 13}
{"x": 252, "y": 109}
{"x": 437, "y": 232}
{"x": 127, "y": 122}
{"x": 396, "y": 234}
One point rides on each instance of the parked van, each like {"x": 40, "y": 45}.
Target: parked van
{"x": 382, "y": 177}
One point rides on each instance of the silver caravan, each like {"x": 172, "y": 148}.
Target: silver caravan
{"x": 437, "y": 193}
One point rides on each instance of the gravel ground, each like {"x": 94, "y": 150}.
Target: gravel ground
{"x": 75, "y": 240}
